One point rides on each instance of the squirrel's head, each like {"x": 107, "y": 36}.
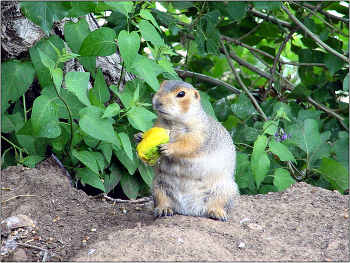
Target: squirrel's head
{"x": 177, "y": 99}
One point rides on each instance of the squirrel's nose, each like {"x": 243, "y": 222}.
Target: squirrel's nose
{"x": 157, "y": 104}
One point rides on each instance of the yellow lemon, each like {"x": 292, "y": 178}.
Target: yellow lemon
{"x": 147, "y": 149}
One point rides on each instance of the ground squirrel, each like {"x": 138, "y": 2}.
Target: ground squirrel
{"x": 195, "y": 174}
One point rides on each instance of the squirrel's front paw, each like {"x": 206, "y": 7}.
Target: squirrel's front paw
{"x": 165, "y": 149}
{"x": 138, "y": 137}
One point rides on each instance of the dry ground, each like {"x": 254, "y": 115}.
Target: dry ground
{"x": 302, "y": 223}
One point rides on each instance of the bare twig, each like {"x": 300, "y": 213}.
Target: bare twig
{"x": 117, "y": 200}
{"x": 13, "y": 197}
{"x": 271, "y": 19}
{"x": 205, "y": 78}
{"x": 31, "y": 246}
{"x": 312, "y": 35}
{"x": 251, "y": 97}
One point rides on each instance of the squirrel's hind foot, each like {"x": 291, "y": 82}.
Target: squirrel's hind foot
{"x": 159, "y": 212}
{"x": 219, "y": 215}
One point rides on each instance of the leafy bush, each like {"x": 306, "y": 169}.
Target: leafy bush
{"x": 281, "y": 103}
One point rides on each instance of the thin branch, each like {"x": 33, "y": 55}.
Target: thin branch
{"x": 284, "y": 43}
{"x": 271, "y": 19}
{"x": 312, "y": 35}
{"x": 190, "y": 74}
{"x": 331, "y": 16}
{"x": 255, "y": 28}
{"x": 117, "y": 200}
{"x": 238, "y": 78}
{"x": 324, "y": 21}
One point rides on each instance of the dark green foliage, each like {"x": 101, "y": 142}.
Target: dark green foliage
{"x": 92, "y": 135}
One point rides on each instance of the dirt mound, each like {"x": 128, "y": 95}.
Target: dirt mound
{"x": 302, "y": 223}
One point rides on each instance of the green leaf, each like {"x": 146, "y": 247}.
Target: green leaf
{"x": 44, "y": 13}
{"x": 46, "y": 60}
{"x": 141, "y": 119}
{"x": 50, "y": 130}
{"x": 244, "y": 107}
{"x": 8, "y": 121}
{"x": 149, "y": 33}
{"x": 148, "y": 70}
{"x": 77, "y": 83}
{"x": 111, "y": 180}
{"x": 100, "y": 87}
{"x": 45, "y": 45}
{"x": 87, "y": 158}
{"x": 213, "y": 47}
{"x": 346, "y": 83}
{"x": 99, "y": 42}
{"x": 199, "y": 39}
{"x": 130, "y": 186}
{"x": 124, "y": 139}
{"x": 341, "y": 149}
{"x": 72, "y": 101}
{"x": 147, "y": 173}
{"x": 310, "y": 24}
{"x": 335, "y": 173}
{"x": 107, "y": 150}
{"x": 111, "y": 111}
{"x": 34, "y": 146}
{"x": 16, "y": 77}
{"x": 281, "y": 151}
{"x": 168, "y": 66}
{"x": 333, "y": 63}
{"x": 31, "y": 161}
{"x": 307, "y": 135}
{"x": 123, "y": 7}
{"x": 129, "y": 45}
{"x": 237, "y": 9}
{"x": 75, "y": 33}
{"x": 91, "y": 178}
{"x": 126, "y": 161}
{"x": 145, "y": 14}
{"x": 260, "y": 163}
{"x": 44, "y": 111}
{"x": 80, "y": 8}
{"x": 268, "y": 5}
{"x": 243, "y": 174}
{"x": 270, "y": 127}
{"x": 89, "y": 63}
{"x": 182, "y": 4}
{"x": 92, "y": 123}
{"x": 300, "y": 92}
{"x": 282, "y": 179}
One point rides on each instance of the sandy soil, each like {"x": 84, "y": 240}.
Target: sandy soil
{"x": 302, "y": 223}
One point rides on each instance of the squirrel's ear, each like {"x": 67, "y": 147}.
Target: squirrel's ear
{"x": 196, "y": 95}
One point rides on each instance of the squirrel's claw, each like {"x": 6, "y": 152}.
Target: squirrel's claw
{"x": 219, "y": 215}
{"x": 165, "y": 149}
{"x": 163, "y": 212}
{"x": 138, "y": 137}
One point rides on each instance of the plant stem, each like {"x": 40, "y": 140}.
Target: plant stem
{"x": 70, "y": 121}
{"x": 24, "y": 108}
{"x": 238, "y": 78}
{"x": 14, "y": 145}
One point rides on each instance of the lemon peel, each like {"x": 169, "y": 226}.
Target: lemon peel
{"x": 147, "y": 149}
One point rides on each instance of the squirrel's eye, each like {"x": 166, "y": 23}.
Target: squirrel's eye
{"x": 181, "y": 94}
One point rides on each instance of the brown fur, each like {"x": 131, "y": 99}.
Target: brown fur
{"x": 195, "y": 174}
